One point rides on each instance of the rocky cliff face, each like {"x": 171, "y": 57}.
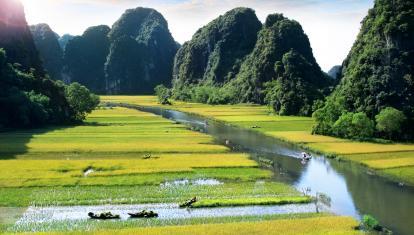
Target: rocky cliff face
{"x": 50, "y": 52}
{"x": 63, "y": 41}
{"x": 136, "y": 66}
{"x": 335, "y": 72}
{"x": 237, "y": 59}
{"x": 85, "y": 58}
{"x": 379, "y": 70}
{"x": 215, "y": 52}
{"x": 278, "y": 37}
{"x": 16, "y": 38}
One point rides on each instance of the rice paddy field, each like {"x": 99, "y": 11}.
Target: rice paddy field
{"x": 312, "y": 225}
{"x": 125, "y": 156}
{"x": 394, "y": 161}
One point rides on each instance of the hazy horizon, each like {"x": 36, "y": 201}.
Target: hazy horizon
{"x": 332, "y": 25}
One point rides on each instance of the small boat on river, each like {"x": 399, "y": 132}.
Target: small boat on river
{"x": 144, "y": 214}
{"x": 103, "y": 216}
{"x": 188, "y": 203}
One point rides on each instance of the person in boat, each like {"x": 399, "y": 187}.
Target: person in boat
{"x": 144, "y": 214}
{"x": 189, "y": 203}
{"x": 306, "y": 156}
{"x": 103, "y": 216}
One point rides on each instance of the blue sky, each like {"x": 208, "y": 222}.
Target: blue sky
{"x": 332, "y": 25}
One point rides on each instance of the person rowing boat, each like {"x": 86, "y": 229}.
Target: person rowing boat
{"x": 144, "y": 214}
{"x": 306, "y": 156}
{"x": 103, "y": 216}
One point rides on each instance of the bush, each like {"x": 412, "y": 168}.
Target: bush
{"x": 370, "y": 223}
{"x": 362, "y": 126}
{"x": 80, "y": 100}
{"x": 163, "y": 94}
{"x": 342, "y": 126}
{"x": 354, "y": 125}
{"x": 390, "y": 121}
{"x": 206, "y": 93}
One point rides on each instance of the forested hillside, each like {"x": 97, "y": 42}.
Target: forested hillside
{"x": 85, "y": 57}
{"x": 214, "y": 54}
{"x": 132, "y": 57}
{"x": 235, "y": 59}
{"x": 281, "y": 70}
{"x": 27, "y": 97}
{"x": 378, "y": 78}
{"x": 16, "y": 38}
{"x": 50, "y": 52}
{"x": 141, "y": 53}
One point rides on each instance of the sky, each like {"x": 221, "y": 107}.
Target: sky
{"x": 332, "y": 25}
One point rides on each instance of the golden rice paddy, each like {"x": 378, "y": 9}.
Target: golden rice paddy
{"x": 319, "y": 225}
{"x": 126, "y": 156}
{"x": 296, "y": 130}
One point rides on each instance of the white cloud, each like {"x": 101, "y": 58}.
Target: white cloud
{"x": 332, "y": 25}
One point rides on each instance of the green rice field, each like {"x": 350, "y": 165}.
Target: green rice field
{"x": 297, "y": 224}
{"x": 125, "y": 156}
{"x": 394, "y": 161}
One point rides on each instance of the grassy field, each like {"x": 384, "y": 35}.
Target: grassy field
{"x": 124, "y": 156}
{"x": 119, "y": 147}
{"x": 250, "y": 201}
{"x": 395, "y": 161}
{"x": 313, "y": 225}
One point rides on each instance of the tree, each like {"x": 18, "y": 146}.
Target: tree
{"x": 27, "y": 100}
{"x": 390, "y": 121}
{"x": 362, "y": 126}
{"x": 81, "y": 100}
{"x": 163, "y": 94}
{"x": 354, "y": 126}
{"x": 342, "y": 126}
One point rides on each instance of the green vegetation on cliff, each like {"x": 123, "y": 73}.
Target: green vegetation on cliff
{"x": 282, "y": 69}
{"x": 378, "y": 72}
{"x": 50, "y": 52}
{"x": 216, "y": 51}
{"x": 234, "y": 59}
{"x": 16, "y": 38}
{"x": 141, "y": 53}
{"x": 85, "y": 57}
{"x": 28, "y": 98}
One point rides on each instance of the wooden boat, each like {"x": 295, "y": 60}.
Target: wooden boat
{"x": 103, "y": 216}
{"x": 144, "y": 214}
{"x": 189, "y": 203}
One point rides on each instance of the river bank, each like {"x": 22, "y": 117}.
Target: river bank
{"x": 123, "y": 156}
{"x": 394, "y": 161}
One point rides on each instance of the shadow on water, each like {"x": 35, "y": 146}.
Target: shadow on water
{"x": 353, "y": 191}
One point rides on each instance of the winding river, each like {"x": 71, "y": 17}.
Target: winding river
{"x": 353, "y": 189}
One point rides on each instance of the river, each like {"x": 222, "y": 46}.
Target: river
{"x": 354, "y": 190}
